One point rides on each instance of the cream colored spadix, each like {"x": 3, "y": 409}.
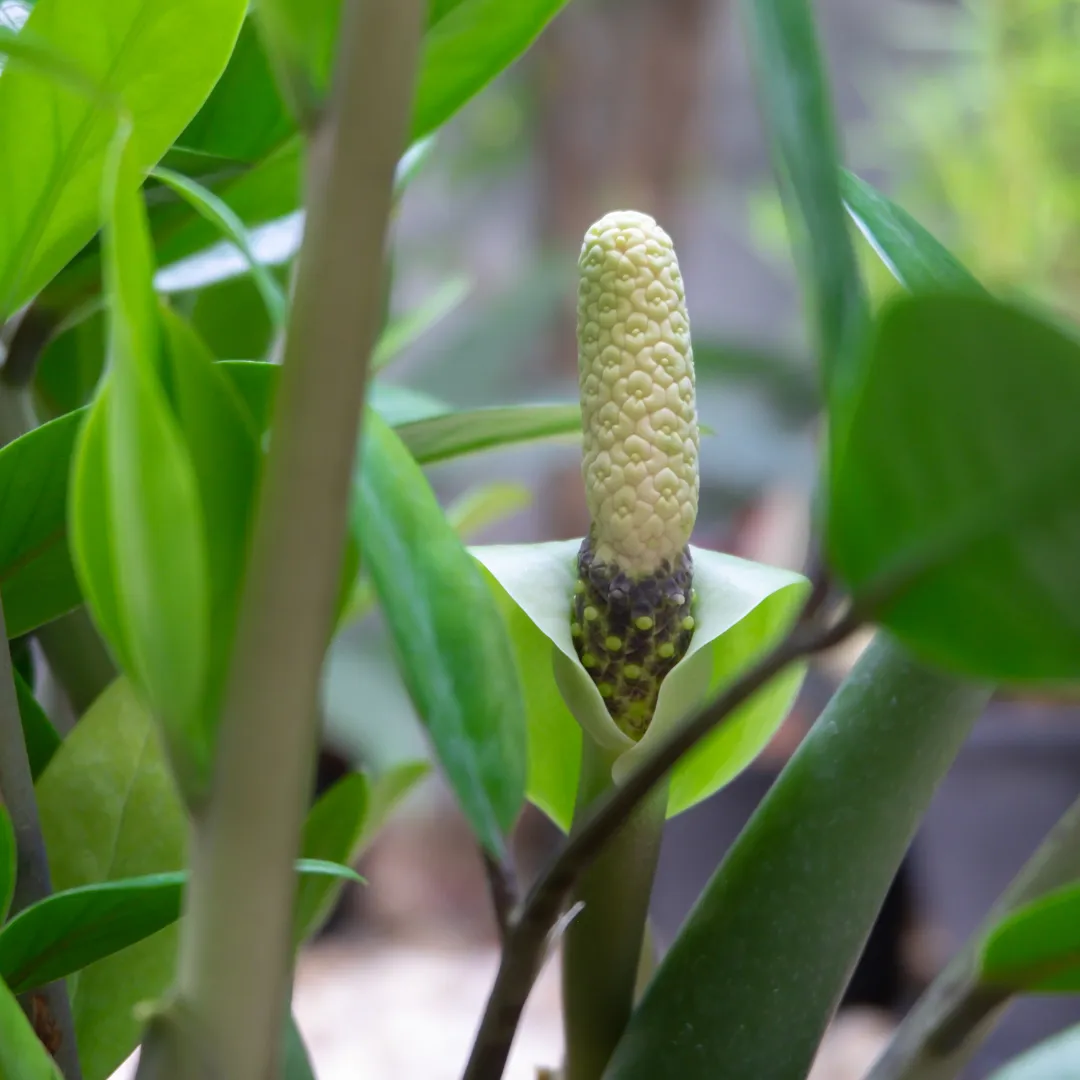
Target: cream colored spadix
{"x": 638, "y": 413}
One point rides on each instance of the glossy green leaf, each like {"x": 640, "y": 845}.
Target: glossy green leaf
{"x": 37, "y": 581}
{"x": 1037, "y": 948}
{"x": 453, "y": 655}
{"x": 41, "y": 738}
{"x": 467, "y": 44}
{"x": 758, "y": 969}
{"x": 468, "y": 431}
{"x": 742, "y": 608}
{"x": 221, "y": 215}
{"x": 953, "y": 513}
{"x": 231, "y": 318}
{"x": 332, "y": 830}
{"x": 22, "y": 47}
{"x": 1057, "y": 1058}
{"x": 71, "y": 930}
{"x": 159, "y": 57}
{"x": 8, "y": 860}
{"x": 226, "y": 459}
{"x": 110, "y": 810}
{"x": 404, "y": 330}
{"x": 794, "y": 98}
{"x": 909, "y": 252}
{"x": 22, "y": 1056}
{"x": 156, "y": 525}
{"x": 70, "y": 368}
{"x": 386, "y": 793}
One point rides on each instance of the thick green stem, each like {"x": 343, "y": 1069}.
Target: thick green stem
{"x": 235, "y": 951}
{"x": 602, "y": 946}
{"x": 951, "y": 1019}
{"x": 756, "y": 973}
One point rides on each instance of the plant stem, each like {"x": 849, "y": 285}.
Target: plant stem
{"x": 526, "y": 944}
{"x": 77, "y": 657}
{"x": 603, "y": 944}
{"x": 236, "y": 940}
{"x": 503, "y": 888}
{"x": 32, "y": 882}
{"x": 950, "y": 1020}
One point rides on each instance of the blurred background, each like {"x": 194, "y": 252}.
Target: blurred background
{"x": 966, "y": 113}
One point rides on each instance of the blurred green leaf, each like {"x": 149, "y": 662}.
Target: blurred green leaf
{"x": 221, "y": 215}
{"x": 483, "y": 506}
{"x": 296, "y": 1065}
{"x": 953, "y": 514}
{"x": 160, "y": 57}
{"x": 37, "y": 582}
{"x": 467, "y": 44}
{"x": 22, "y": 1056}
{"x": 150, "y": 521}
{"x": 742, "y": 608}
{"x": 41, "y": 738}
{"x": 794, "y": 98}
{"x": 467, "y": 431}
{"x": 110, "y": 810}
{"x": 71, "y": 930}
{"x": 8, "y": 862}
{"x": 231, "y": 318}
{"x": 22, "y": 47}
{"x": 332, "y": 830}
{"x": 1058, "y": 1058}
{"x": 454, "y": 657}
{"x": 909, "y": 252}
{"x": 1037, "y": 948}
{"x": 386, "y": 792}
{"x": 758, "y": 969}
{"x": 401, "y": 332}
{"x": 70, "y": 367}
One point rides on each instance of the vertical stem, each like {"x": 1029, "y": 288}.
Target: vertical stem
{"x": 602, "y": 946}
{"x": 32, "y": 881}
{"x": 236, "y": 941}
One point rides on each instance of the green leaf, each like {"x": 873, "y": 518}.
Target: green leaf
{"x": 41, "y": 738}
{"x": 452, "y": 651}
{"x": 70, "y": 367}
{"x": 22, "y": 1056}
{"x": 37, "y": 582}
{"x": 159, "y": 57}
{"x": 742, "y": 608}
{"x": 953, "y": 516}
{"x": 22, "y": 47}
{"x": 296, "y": 1065}
{"x": 467, "y": 44}
{"x": 794, "y": 98}
{"x": 8, "y": 862}
{"x": 470, "y": 430}
{"x": 156, "y": 530}
{"x": 386, "y": 792}
{"x": 332, "y": 830}
{"x": 752, "y": 981}
{"x": 222, "y": 217}
{"x": 110, "y": 810}
{"x": 401, "y": 332}
{"x": 1037, "y": 948}
{"x": 483, "y": 506}
{"x": 231, "y": 318}
{"x": 908, "y": 251}
{"x": 71, "y": 930}
{"x": 1057, "y": 1058}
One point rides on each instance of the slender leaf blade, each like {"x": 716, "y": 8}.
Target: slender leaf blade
{"x": 8, "y": 862}
{"x": 22, "y": 1056}
{"x": 41, "y": 738}
{"x": 453, "y": 654}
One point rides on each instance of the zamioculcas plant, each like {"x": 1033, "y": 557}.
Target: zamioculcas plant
{"x": 183, "y": 529}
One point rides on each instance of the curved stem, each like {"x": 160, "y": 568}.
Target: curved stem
{"x": 602, "y": 946}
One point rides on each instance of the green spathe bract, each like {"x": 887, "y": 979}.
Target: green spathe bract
{"x": 742, "y": 608}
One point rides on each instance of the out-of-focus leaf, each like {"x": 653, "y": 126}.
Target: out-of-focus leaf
{"x": 70, "y": 367}
{"x": 483, "y": 506}
{"x": 794, "y": 99}
{"x": 71, "y": 930}
{"x": 464, "y": 684}
{"x": 1037, "y": 948}
{"x": 221, "y": 215}
{"x": 909, "y": 252}
{"x": 37, "y": 581}
{"x": 295, "y": 1064}
{"x": 386, "y": 792}
{"x": 22, "y": 1055}
{"x": 41, "y": 738}
{"x": 110, "y": 810}
{"x": 953, "y": 512}
{"x": 161, "y": 58}
{"x": 401, "y": 332}
{"x": 792, "y": 388}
